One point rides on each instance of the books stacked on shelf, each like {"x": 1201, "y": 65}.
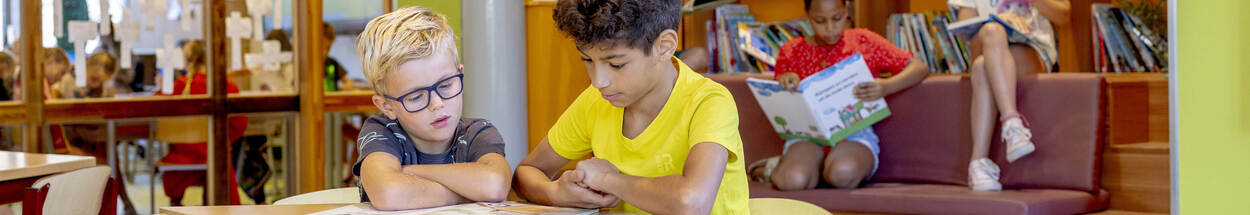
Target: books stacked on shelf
{"x": 1123, "y": 44}
{"x": 740, "y": 44}
{"x": 926, "y": 36}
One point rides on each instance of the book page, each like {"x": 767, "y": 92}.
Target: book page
{"x": 789, "y": 113}
{"x": 830, "y": 94}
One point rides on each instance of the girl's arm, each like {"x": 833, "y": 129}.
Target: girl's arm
{"x": 915, "y": 72}
{"x": 1055, "y": 10}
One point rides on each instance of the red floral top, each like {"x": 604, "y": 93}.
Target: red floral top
{"x": 799, "y": 56}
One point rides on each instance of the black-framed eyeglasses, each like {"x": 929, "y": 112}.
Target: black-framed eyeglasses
{"x": 419, "y": 99}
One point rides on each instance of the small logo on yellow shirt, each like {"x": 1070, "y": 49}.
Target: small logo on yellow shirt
{"x": 664, "y": 162}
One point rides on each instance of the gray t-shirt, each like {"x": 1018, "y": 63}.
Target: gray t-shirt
{"x": 473, "y": 139}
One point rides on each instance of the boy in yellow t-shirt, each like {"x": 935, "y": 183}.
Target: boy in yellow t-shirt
{"x": 664, "y": 138}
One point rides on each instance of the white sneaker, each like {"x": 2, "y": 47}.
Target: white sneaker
{"x": 983, "y": 175}
{"x": 1018, "y": 139}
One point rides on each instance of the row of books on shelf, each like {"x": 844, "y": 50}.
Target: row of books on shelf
{"x": 1122, "y": 43}
{"x": 739, "y": 44}
{"x": 926, "y": 36}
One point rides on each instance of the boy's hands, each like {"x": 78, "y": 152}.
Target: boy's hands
{"x": 595, "y": 168}
{"x": 789, "y": 81}
{"x": 869, "y": 91}
{"x": 570, "y": 192}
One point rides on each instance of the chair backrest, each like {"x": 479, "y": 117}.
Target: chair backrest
{"x": 75, "y": 192}
{"x": 346, "y": 195}
{"x": 182, "y": 129}
{"x": 783, "y": 206}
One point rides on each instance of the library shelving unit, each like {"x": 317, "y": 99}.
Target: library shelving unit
{"x": 1136, "y": 114}
{"x": 310, "y": 102}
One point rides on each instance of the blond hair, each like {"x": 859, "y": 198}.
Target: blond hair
{"x": 400, "y": 36}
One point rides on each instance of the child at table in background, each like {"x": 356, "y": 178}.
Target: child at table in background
{"x": 101, "y": 68}
{"x": 57, "y": 82}
{"x": 996, "y": 57}
{"x": 8, "y": 76}
{"x": 664, "y": 138}
{"x": 196, "y": 83}
{"x": 87, "y": 138}
{"x": 420, "y": 152}
{"x": 336, "y": 76}
{"x": 58, "y": 74}
{"x": 853, "y": 160}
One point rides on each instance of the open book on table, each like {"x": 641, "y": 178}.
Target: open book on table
{"x": 466, "y": 209}
{"x": 824, "y": 110}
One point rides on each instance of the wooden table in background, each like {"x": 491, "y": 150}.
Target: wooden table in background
{"x": 276, "y": 209}
{"x": 250, "y": 209}
{"x": 19, "y": 170}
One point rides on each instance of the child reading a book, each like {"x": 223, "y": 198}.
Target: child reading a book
{"x": 58, "y": 80}
{"x": 664, "y": 138}
{"x": 192, "y": 147}
{"x": 853, "y": 159}
{"x": 419, "y": 152}
{"x": 996, "y": 57}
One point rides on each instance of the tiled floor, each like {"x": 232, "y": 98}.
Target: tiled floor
{"x": 140, "y": 194}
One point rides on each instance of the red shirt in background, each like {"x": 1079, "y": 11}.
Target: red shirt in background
{"x": 176, "y": 182}
{"x": 199, "y": 86}
{"x": 803, "y": 58}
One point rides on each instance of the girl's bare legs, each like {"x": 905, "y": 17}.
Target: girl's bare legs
{"x": 982, "y": 111}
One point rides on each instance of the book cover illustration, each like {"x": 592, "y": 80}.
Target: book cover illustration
{"x": 824, "y": 110}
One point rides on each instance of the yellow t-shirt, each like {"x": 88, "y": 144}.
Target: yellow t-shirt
{"x": 698, "y": 110}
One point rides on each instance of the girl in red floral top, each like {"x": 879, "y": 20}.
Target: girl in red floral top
{"x": 803, "y": 163}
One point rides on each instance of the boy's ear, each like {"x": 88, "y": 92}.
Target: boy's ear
{"x": 380, "y": 102}
{"x": 665, "y": 44}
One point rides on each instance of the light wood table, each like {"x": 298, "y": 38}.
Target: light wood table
{"x": 17, "y": 165}
{"x": 250, "y": 209}
{"x": 19, "y": 170}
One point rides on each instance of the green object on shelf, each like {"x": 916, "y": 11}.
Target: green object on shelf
{"x": 331, "y": 79}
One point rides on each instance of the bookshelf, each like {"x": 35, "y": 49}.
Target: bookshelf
{"x": 34, "y": 113}
{"x": 1073, "y": 40}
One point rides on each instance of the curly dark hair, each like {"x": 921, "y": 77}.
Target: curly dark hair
{"x": 635, "y": 23}
{"x": 807, "y": 4}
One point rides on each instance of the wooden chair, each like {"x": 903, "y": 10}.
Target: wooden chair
{"x": 84, "y": 191}
{"x": 184, "y": 129}
{"x": 346, "y": 195}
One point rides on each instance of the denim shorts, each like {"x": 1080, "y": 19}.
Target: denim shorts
{"x": 867, "y": 137}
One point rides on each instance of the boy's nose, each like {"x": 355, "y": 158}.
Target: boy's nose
{"x": 436, "y": 103}
{"x": 599, "y": 78}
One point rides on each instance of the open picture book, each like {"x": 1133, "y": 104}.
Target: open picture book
{"x": 483, "y": 208}
{"x": 967, "y": 28}
{"x": 823, "y": 110}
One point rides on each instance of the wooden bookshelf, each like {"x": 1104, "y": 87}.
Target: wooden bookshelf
{"x": 349, "y": 101}
{"x": 706, "y": 6}
{"x": 34, "y": 113}
{"x": 1073, "y": 40}
{"x": 1137, "y": 176}
{"x": 12, "y": 113}
{"x": 1137, "y": 108}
